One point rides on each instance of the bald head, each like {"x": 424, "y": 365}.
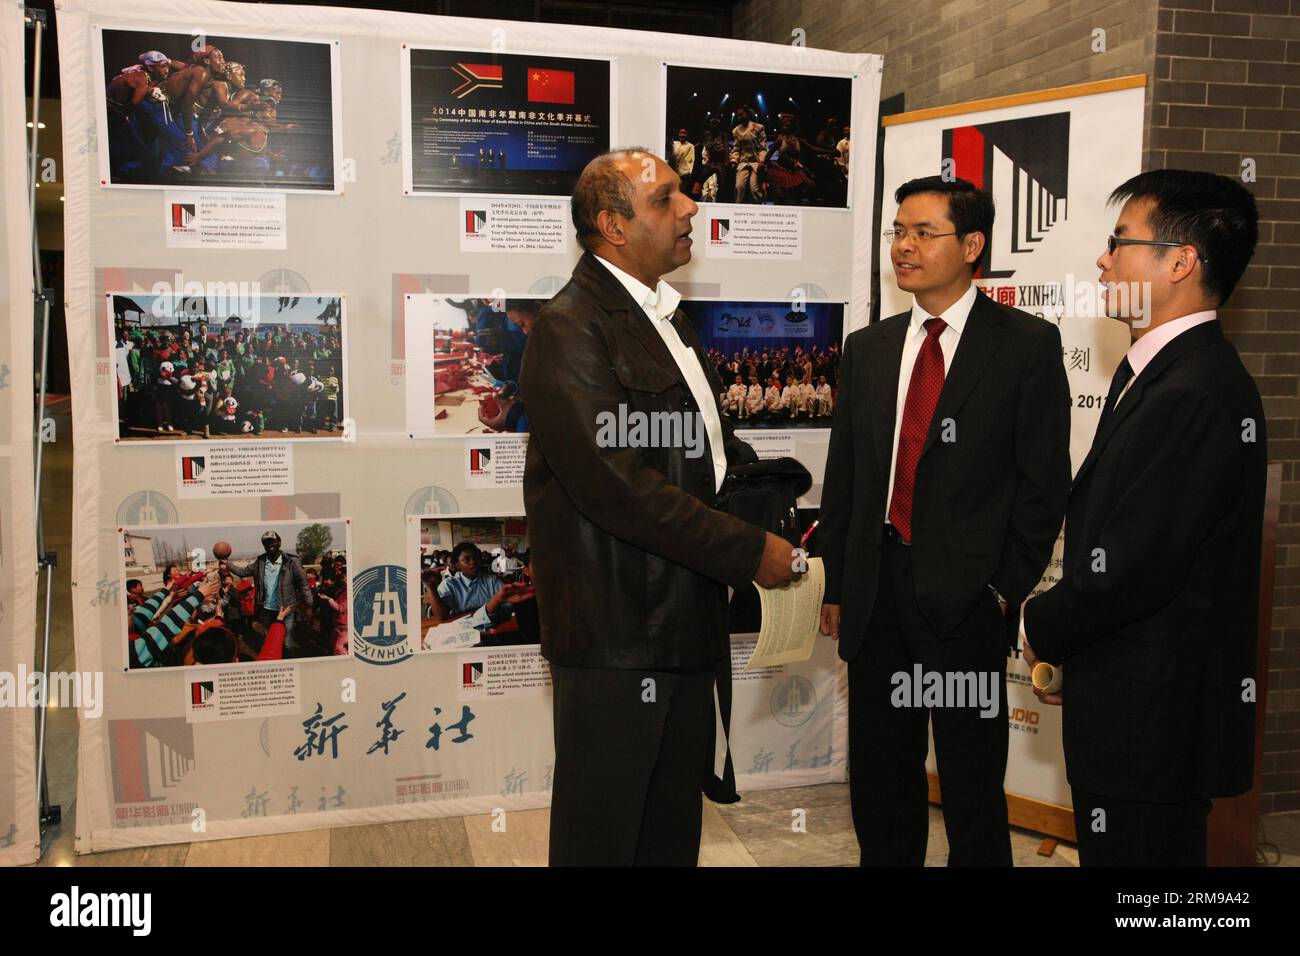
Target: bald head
{"x": 630, "y": 210}
{"x": 605, "y": 183}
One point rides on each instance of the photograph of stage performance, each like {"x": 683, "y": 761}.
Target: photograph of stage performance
{"x": 741, "y": 136}
{"x": 206, "y": 111}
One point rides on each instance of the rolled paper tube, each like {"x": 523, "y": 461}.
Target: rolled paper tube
{"x": 1047, "y": 678}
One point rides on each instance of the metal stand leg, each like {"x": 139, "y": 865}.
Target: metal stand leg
{"x": 49, "y": 815}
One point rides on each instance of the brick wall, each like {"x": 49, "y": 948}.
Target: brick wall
{"x": 948, "y": 51}
{"x": 1224, "y": 87}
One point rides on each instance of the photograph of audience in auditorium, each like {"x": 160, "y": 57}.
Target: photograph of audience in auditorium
{"x": 777, "y": 363}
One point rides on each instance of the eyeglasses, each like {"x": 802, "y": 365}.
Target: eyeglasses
{"x": 920, "y": 235}
{"x": 1112, "y": 243}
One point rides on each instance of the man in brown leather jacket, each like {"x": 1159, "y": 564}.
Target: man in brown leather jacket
{"x": 633, "y": 559}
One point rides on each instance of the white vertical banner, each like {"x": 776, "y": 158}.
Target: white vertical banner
{"x": 19, "y": 829}
{"x": 1050, "y": 161}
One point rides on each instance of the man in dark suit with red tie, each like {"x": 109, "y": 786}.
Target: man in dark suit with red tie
{"x": 1155, "y": 616}
{"x": 945, "y": 486}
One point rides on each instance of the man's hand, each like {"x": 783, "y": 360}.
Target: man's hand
{"x": 1053, "y": 699}
{"x": 209, "y": 588}
{"x": 504, "y": 404}
{"x": 1027, "y": 655}
{"x": 1030, "y": 659}
{"x": 831, "y": 621}
{"x": 777, "y": 566}
{"x": 285, "y": 611}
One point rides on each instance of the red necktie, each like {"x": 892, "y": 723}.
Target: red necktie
{"x": 922, "y": 396}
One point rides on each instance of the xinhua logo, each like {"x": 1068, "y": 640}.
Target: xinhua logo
{"x": 379, "y": 614}
{"x": 146, "y": 508}
{"x": 793, "y": 701}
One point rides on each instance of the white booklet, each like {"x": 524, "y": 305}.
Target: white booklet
{"x": 791, "y": 619}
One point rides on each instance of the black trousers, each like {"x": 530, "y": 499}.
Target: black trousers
{"x": 888, "y": 743}
{"x": 632, "y": 752}
{"x": 1114, "y": 832}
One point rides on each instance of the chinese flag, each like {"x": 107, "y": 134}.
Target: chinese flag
{"x": 550, "y": 86}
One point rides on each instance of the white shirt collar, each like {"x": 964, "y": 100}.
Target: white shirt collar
{"x": 1146, "y": 348}
{"x": 954, "y": 316}
{"x": 660, "y": 302}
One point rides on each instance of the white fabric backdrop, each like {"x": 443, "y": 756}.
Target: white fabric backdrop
{"x": 19, "y": 833}
{"x": 375, "y": 245}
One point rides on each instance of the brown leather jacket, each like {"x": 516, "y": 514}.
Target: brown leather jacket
{"x": 630, "y": 558}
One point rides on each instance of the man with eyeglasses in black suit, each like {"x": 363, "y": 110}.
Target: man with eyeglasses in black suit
{"x": 1154, "y": 619}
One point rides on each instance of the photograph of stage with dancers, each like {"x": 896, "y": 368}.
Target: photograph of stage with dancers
{"x": 218, "y": 112}
{"x": 743, "y": 136}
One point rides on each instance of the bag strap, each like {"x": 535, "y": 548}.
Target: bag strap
{"x": 722, "y": 789}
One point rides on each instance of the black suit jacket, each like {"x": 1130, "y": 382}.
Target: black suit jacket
{"x": 1156, "y": 613}
{"x": 987, "y": 507}
{"x": 631, "y": 558}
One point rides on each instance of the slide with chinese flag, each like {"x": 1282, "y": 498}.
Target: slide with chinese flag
{"x": 550, "y": 86}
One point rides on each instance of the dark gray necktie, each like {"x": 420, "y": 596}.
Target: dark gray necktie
{"x": 1122, "y": 376}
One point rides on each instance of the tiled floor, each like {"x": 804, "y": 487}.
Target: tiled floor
{"x": 755, "y": 832}
{"x": 758, "y": 831}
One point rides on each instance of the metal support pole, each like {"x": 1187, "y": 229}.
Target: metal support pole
{"x": 36, "y": 21}
{"x": 44, "y": 299}
{"x": 49, "y": 814}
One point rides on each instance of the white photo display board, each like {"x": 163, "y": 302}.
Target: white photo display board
{"x": 331, "y": 196}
